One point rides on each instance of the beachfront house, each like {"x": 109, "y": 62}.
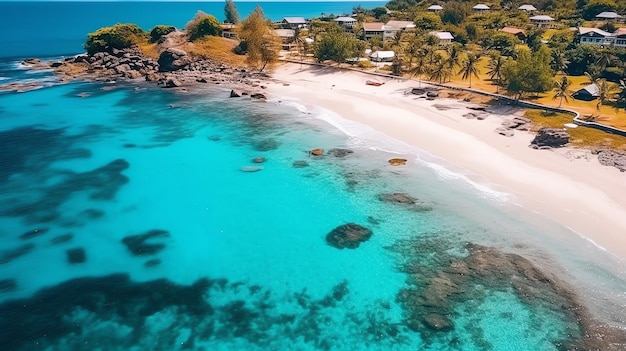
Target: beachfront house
{"x": 481, "y": 8}
{"x": 519, "y": 33}
{"x": 619, "y": 37}
{"x": 401, "y": 25}
{"x": 594, "y": 36}
{"x": 287, "y": 38}
{"x": 382, "y": 56}
{"x": 435, "y": 8}
{"x": 588, "y": 93}
{"x": 229, "y": 30}
{"x": 346, "y": 22}
{"x": 294, "y": 22}
{"x": 378, "y": 29}
{"x": 609, "y": 17}
{"x": 445, "y": 38}
{"x": 542, "y": 21}
{"x": 527, "y": 8}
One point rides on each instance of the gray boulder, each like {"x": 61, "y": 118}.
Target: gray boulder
{"x": 173, "y": 60}
{"x": 550, "y": 138}
{"x": 613, "y": 158}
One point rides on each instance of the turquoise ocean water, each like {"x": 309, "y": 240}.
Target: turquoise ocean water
{"x": 232, "y": 260}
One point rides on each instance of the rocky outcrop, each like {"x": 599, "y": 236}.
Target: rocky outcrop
{"x": 519, "y": 123}
{"x": 612, "y": 158}
{"x": 250, "y": 169}
{"x": 397, "y": 161}
{"x": 548, "y": 138}
{"x": 401, "y": 198}
{"x": 340, "y": 153}
{"x": 76, "y": 255}
{"x": 348, "y": 236}
{"x": 140, "y": 244}
{"x": 316, "y": 152}
{"x": 173, "y": 59}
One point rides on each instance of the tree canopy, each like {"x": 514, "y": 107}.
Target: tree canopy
{"x": 336, "y": 45}
{"x": 260, "y": 40}
{"x": 202, "y": 24}
{"x": 230, "y": 12}
{"x": 119, "y": 36}
{"x": 529, "y": 73}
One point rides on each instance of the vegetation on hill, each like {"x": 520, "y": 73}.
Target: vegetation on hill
{"x": 202, "y": 25}
{"x": 261, "y": 42}
{"x": 119, "y": 36}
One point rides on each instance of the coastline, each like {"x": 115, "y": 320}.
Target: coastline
{"x": 566, "y": 185}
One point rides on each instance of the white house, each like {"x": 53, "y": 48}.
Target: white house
{"x": 620, "y": 37}
{"x": 481, "y": 8}
{"x": 294, "y": 22}
{"x": 608, "y": 16}
{"x": 402, "y": 25}
{"x": 346, "y": 22}
{"x": 445, "y": 38}
{"x": 382, "y": 56}
{"x": 594, "y": 36}
{"x": 588, "y": 93}
{"x": 542, "y": 21}
{"x": 435, "y": 8}
{"x": 373, "y": 29}
{"x": 527, "y": 8}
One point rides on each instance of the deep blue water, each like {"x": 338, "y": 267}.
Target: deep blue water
{"x": 60, "y": 28}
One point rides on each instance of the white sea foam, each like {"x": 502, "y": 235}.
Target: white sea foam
{"x": 364, "y": 136}
{"x": 588, "y": 239}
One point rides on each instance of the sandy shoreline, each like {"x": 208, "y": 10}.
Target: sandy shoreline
{"x": 567, "y": 185}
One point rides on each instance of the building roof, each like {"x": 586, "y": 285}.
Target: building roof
{"x": 541, "y": 18}
{"x": 435, "y": 8}
{"x": 608, "y": 15}
{"x": 527, "y": 8}
{"x": 620, "y": 31}
{"x": 294, "y": 20}
{"x": 443, "y": 35}
{"x": 285, "y": 33}
{"x": 345, "y": 19}
{"x": 481, "y": 7}
{"x": 514, "y": 31}
{"x": 373, "y": 26}
{"x": 593, "y": 31}
{"x": 382, "y": 54}
{"x": 591, "y": 89}
{"x": 400, "y": 24}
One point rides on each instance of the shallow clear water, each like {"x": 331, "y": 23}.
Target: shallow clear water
{"x": 238, "y": 260}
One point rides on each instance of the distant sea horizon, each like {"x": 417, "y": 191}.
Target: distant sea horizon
{"x": 57, "y": 28}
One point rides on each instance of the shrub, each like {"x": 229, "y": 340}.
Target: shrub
{"x": 364, "y": 64}
{"x": 159, "y": 31}
{"x": 120, "y": 36}
{"x": 203, "y": 24}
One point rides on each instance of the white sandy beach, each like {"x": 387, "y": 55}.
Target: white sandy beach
{"x": 577, "y": 192}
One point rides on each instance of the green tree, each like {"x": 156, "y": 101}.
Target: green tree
{"x": 378, "y": 12}
{"x": 454, "y": 56}
{"x": 558, "y": 63}
{"x": 503, "y": 42}
{"x": 495, "y": 67}
{"x": 202, "y": 24}
{"x": 606, "y": 92}
{"x": 469, "y": 67}
{"x": 427, "y": 21}
{"x": 120, "y": 36}
{"x": 529, "y": 73}
{"x": 440, "y": 70}
{"x": 455, "y": 12}
{"x": 561, "y": 90}
{"x": 594, "y": 7}
{"x": 337, "y": 45}
{"x": 159, "y": 31}
{"x": 230, "y": 12}
{"x": 261, "y": 40}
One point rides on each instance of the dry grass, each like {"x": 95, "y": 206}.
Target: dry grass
{"x": 149, "y": 49}
{"x": 582, "y": 136}
{"x": 216, "y": 48}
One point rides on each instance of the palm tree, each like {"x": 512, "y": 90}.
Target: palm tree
{"x": 592, "y": 74}
{"x": 561, "y": 90}
{"x": 420, "y": 67}
{"x": 606, "y": 92}
{"x": 454, "y": 52}
{"x": 468, "y": 67}
{"x": 621, "y": 96}
{"x": 495, "y": 66}
{"x": 440, "y": 71}
{"x": 605, "y": 59}
{"x": 559, "y": 63}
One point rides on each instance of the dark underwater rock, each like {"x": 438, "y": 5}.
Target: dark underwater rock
{"x": 7, "y": 285}
{"x": 438, "y": 322}
{"x": 76, "y": 255}
{"x": 33, "y": 233}
{"x": 61, "y": 239}
{"x": 402, "y": 198}
{"x": 349, "y": 236}
{"x": 337, "y": 152}
{"x": 138, "y": 244}
{"x": 300, "y": 164}
{"x": 7, "y": 256}
{"x": 152, "y": 262}
{"x": 266, "y": 144}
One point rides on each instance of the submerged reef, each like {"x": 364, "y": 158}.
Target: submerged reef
{"x": 115, "y": 313}
{"x": 442, "y": 282}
